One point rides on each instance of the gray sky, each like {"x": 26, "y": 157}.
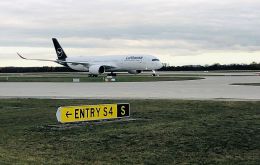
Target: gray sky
{"x": 178, "y": 32}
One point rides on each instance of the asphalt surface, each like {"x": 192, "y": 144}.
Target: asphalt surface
{"x": 212, "y": 87}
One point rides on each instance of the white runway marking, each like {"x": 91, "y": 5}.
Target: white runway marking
{"x": 213, "y": 87}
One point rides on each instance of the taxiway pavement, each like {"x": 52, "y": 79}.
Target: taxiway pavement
{"x": 212, "y": 87}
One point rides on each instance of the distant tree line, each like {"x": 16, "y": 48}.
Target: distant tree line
{"x": 217, "y": 66}
{"x": 166, "y": 67}
{"x": 34, "y": 69}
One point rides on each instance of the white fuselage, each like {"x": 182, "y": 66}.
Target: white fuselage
{"x": 118, "y": 62}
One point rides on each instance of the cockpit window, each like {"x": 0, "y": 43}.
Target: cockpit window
{"x": 155, "y": 59}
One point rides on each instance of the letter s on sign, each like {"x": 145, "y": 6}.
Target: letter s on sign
{"x": 123, "y": 110}
{"x": 105, "y": 111}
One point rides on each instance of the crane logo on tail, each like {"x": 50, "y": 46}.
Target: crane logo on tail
{"x": 59, "y": 52}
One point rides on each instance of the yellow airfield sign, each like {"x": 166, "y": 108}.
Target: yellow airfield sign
{"x": 92, "y": 112}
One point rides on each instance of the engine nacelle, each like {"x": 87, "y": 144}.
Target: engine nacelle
{"x": 134, "y": 71}
{"x": 96, "y": 69}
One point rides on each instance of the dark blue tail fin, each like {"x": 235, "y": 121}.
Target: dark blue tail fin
{"x": 60, "y": 52}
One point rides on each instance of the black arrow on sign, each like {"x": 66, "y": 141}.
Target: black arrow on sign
{"x": 67, "y": 114}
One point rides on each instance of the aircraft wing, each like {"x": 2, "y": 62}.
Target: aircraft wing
{"x": 106, "y": 65}
{"x": 34, "y": 59}
{"x": 57, "y": 61}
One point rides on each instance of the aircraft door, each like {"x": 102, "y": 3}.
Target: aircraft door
{"x": 145, "y": 63}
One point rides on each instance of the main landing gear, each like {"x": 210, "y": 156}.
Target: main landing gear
{"x": 110, "y": 77}
{"x": 92, "y": 75}
{"x": 111, "y": 74}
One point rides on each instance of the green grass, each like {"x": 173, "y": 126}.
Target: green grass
{"x": 92, "y": 79}
{"x": 166, "y": 132}
{"x": 250, "y": 84}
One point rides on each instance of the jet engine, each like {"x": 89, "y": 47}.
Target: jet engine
{"x": 134, "y": 71}
{"x": 96, "y": 69}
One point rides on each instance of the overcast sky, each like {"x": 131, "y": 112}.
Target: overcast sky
{"x": 178, "y": 32}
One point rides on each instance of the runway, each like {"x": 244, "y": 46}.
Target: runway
{"x": 212, "y": 87}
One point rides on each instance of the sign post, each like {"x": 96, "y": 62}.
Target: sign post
{"x": 69, "y": 114}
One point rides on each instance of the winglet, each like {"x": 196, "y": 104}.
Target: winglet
{"x": 21, "y": 56}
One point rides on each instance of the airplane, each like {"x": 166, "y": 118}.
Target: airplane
{"x": 96, "y": 65}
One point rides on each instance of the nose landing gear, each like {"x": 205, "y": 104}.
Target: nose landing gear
{"x": 154, "y": 73}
